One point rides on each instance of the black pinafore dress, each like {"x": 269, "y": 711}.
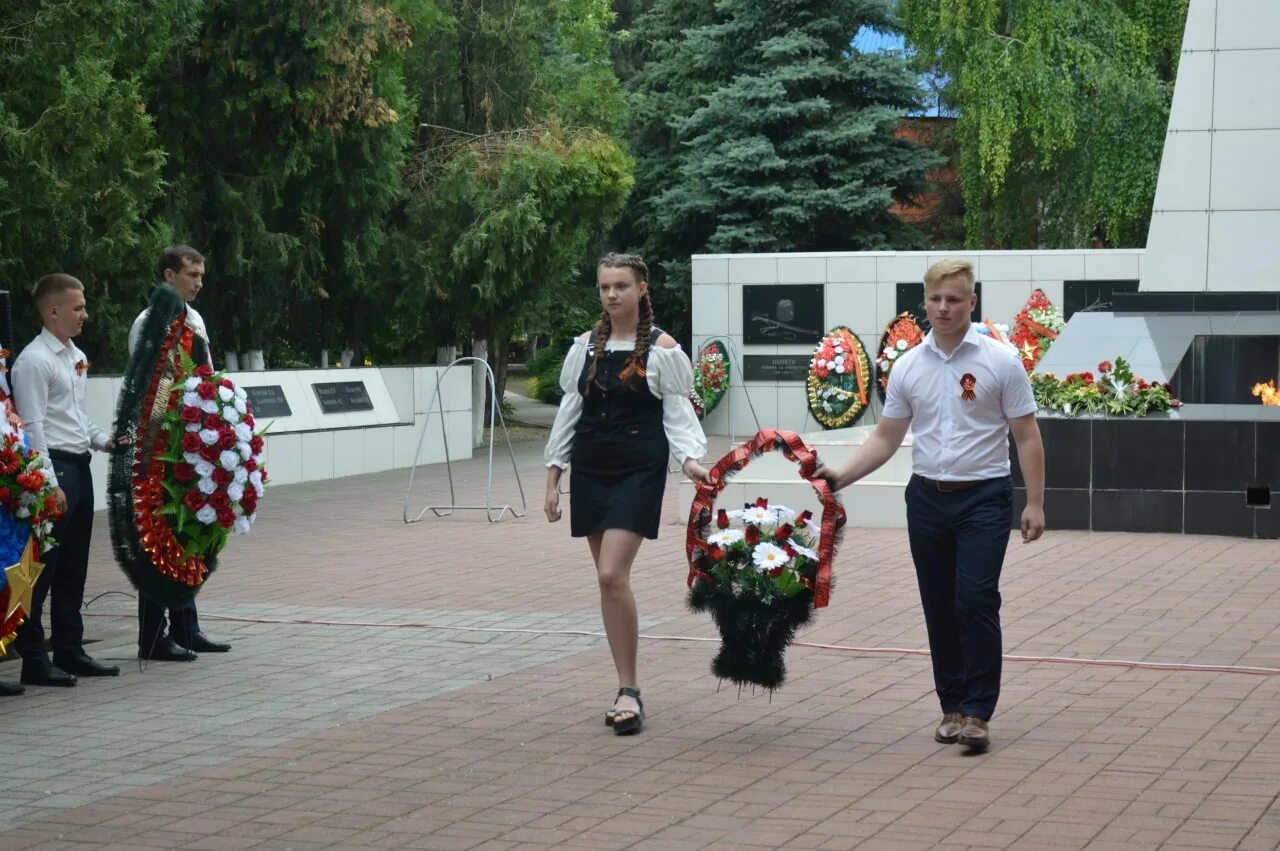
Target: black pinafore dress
{"x": 618, "y": 463}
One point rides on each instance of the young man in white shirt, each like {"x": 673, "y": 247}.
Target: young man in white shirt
{"x": 50, "y": 377}
{"x": 181, "y": 268}
{"x": 961, "y": 394}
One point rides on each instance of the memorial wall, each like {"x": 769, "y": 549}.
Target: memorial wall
{"x": 328, "y": 423}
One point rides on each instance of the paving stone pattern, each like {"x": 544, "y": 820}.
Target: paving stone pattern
{"x": 395, "y": 733}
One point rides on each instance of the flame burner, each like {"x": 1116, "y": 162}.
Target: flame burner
{"x": 1267, "y": 393}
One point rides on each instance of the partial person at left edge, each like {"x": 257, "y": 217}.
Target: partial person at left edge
{"x": 50, "y": 378}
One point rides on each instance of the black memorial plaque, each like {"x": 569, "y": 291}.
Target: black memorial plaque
{"x": 782, "y": 313}
{"x": 776, "y": 367}
{"x": 268, "y": 401}
{"x": 341, "y": 397}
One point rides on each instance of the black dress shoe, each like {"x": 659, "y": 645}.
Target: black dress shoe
{"x": 84, "y": 665}
{"x": 47, "y": 675}
{"x": 201, "y": 643}
{"x": 166, "y": 651}
{"x": 11, "y": 689}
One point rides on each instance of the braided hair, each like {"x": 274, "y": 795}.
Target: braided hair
{"x": 604, "y": 326}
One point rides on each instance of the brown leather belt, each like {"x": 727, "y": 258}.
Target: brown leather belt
{"x": 948, "y": 486}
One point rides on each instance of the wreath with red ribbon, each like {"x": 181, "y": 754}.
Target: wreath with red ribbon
{"x": 900, "y": 336}
{"x": 755, "y": 630}
{"x": 839, "y": 379}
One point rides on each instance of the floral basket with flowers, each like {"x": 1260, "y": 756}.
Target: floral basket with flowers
{"x": 710, "y": 378}
{"x": 190, "y": 472}
{"x": 28, "y": 510}
{"x": 839, "y": 379}
{"x": 900, "y": 336}
{"x": 1115, "y": 391}
{"x": 1035, "y": 328}
{"x": 764, "y": 569}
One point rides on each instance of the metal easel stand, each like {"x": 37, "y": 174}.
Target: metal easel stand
{"x": 495, "y": 415}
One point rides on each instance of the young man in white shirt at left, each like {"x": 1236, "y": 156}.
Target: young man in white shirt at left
{"x": 49, "y": 379}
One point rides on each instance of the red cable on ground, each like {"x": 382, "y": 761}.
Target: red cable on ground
{"x": 1247, "y": 670}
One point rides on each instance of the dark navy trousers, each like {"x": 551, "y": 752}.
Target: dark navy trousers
{"x": 958, "y": 542}
{"x": 65, "y": 568}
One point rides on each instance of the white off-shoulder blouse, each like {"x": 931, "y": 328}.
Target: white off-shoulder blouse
{"x": 670, "y": 378}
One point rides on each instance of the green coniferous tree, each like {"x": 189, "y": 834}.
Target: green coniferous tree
{"x": 795, "y": 150}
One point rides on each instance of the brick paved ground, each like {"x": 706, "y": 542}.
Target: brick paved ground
{"x": 317, "y": 736}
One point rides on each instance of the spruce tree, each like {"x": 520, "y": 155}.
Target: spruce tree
{"x": 794, "y": 148}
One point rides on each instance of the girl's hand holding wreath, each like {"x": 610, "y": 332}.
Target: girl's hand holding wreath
{"x": 695, "y": 471}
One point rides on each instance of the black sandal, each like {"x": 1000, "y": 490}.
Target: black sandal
{"x": 626, "y": 721}
{"x": 612, "y": 711}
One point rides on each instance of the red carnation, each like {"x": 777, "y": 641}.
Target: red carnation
{"x": 194, "y": 500}
{"x": 190, "y": 414}
{"x": 206, "y": 391}
{"x": 222, "y": 477}
{"x": 248, "y": 420}
{"x": 204, "y": 371}
{"x": 250, "y": 465}
{"x": 210, "y": 453}
{"x": 220, "y": 500}
{"x": 1088, "y": 378}
{"x": 255, "y": 444}
{"x": 752, "y": 535}
{"x": 226, "y": 519}
{"x": 803, "y": 519}
{"x": 1105, "y": 366}
{"x": 227, "y": 440}
{"x": 226, "y": 382}
{"x": 184, "y": 472}
{"x": 191, "y": 442}
{"x": 213, "y": 422}
{"x": 722, "y": 517}
{"x": 249, "y": 502}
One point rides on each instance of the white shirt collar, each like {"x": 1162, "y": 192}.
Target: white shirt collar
{"x": 970, "y": 339}
{"x": 55, "y": 345}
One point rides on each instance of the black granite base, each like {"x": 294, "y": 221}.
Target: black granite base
{"x": 1159, "y": 475}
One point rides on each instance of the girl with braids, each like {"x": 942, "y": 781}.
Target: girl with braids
{"x": 625, "y": 409}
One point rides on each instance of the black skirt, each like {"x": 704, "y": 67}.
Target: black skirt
{"x": 616, "y": 481}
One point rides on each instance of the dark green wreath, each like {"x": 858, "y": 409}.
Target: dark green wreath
{"x": 149, "y": 356}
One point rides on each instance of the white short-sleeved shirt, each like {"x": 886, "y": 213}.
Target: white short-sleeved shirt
{"x": 959, "y": 439}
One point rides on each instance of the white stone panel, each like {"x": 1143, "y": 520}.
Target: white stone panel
{"x": 1192, "y": 107}
{"x": 378, "y": 449}
{"x": 1111, "y": 266}
{"x": 348, "y": 452}
{"x": 1245, "y": 90}
{"x": 710, "y": 270}
{"x": 1184, "y": 172}
{"x": 753, "y": 269}
{"x": 802, "y": 270}
{"x": 1245, "y": 172}
{"x": 424, "y": 388}
{"x": 1055, "y": 291}
{"x": 906, "y": 267}
{"x": 710, "y": 304}
{"x": 401, "y": 387}
{"x": 282, "y": 454}
{"x": 887, "y": 301}
{"x": 1001, "y": 300}
{"x": 1057, "y": 266}
{"x": 793, "y": 407}
{"x": 1244, "y": 251}
{"x": 317, "y": 455}
{"x": 455, "y": 388}
{"x": 1177, "y": 253}
{"x": 1004, "y": 267}
{"x": 764, "y": 401}
{"x": 735, "y": 309}
{"x": 1240, "y": 24}
{"x": 1202, "y": 23}
{"x": 851, "y": 269}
